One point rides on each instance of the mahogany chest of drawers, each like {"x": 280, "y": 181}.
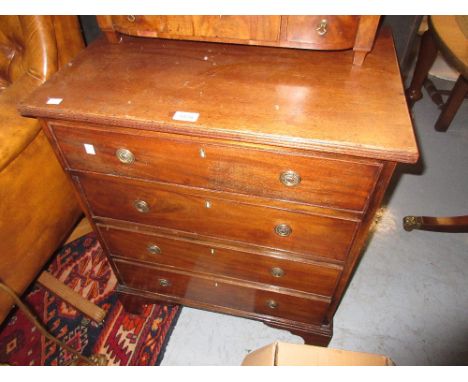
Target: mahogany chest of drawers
{"x": 238, "y": 179}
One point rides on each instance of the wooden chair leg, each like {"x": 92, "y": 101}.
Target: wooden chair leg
{"x": 78, "y": 359}
{"x": 426, "y": 57}
{"x": 429, "y": 223}
{"x": 70, "y": 296}
{"x": 434, "y": 93}
{"x": 452, "y": 105}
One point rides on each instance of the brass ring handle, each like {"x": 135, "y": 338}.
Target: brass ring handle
{"x": 164, "y": 283}
{"x": 322, "y": 27}
{"x": 277, "y": 272}
{"x": 272, "y": 304}
{"x": 290, "y": 178}
{"x": 141, "y": 206}
{"x": 131, "y": 18}
{"x": 125, "y": 156}
{"x": 283, "y": 230}
{"x": 153, "y": 249}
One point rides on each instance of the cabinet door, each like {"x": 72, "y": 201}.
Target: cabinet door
{"x": 211, "y": 28}
{"x": 319, "y": 32}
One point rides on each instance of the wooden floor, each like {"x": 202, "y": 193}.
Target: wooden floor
{"x": 81, "y": 229}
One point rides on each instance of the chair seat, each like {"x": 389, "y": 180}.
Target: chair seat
{"x": 451, "y": 35}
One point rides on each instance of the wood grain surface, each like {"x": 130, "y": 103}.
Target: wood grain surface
{"x": 211, "y": 164}
{"x": 222, "y": 293}
{"x": 322, "y": 32}
{"x": 317, "y": 278}
{"x": 284, "y": 97}
{"x": 186, "y": 210}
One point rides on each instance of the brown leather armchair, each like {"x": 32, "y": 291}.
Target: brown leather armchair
{"x": 37, "y": 205}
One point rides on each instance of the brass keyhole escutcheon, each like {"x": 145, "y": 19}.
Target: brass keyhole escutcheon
{"x": 283, "y": 230}
{"x": 125, "y": 156}
{"x": 322, "y": 27}
{"x": 131, "y": 18}
{"x": 277, "y": 272}
{"x": 164, "y": 283}
{"x": 153, "y": 249}
{"x": 290, "y": 178}
{"x": 141, "y": 206}
{"x": 272, "y": 304}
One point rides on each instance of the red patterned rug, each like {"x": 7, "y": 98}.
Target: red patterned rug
{"x": 124, "y": 339}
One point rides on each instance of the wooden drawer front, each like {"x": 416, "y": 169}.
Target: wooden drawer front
{"x": 321, "y": 32}
{"x": 196, "y": 257}
{"x": 201, "y": 27}
{"x": 174, "y": 208}
{"x": 310, "y": 32}
{"x": 324, "y": 182}
{"x": 217, "y": 293}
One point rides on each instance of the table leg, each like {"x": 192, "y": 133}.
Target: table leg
{"x": 454, "y": 101}
{"x": 426, "y": 57}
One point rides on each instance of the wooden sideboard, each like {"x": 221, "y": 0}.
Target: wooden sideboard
{"x": 233, "y": 178}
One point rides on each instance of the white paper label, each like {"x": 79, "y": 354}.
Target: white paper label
{"x": 89, "y": 149}
{"x": 185, "y": 116}
{"x": 54, "y": 101}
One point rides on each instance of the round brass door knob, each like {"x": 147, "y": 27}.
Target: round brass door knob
{"x": 164, "y": 283}
{"x": 290, "y": 178}
{"x": 125, "y": 156}
{"x": 283, "y": 230}
{"x": 277, "y": 272}
{"x": 141, "y": 206}
{"x": 153, "y": 249}
{"x": 272, "y": 304}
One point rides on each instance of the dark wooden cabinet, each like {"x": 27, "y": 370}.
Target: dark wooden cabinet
{"x": 259, "y": 203}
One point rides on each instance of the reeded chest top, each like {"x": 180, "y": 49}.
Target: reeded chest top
{"x": 284, "y": 97}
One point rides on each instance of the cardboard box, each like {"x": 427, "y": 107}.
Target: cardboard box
{"x": 285, "y": 354}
